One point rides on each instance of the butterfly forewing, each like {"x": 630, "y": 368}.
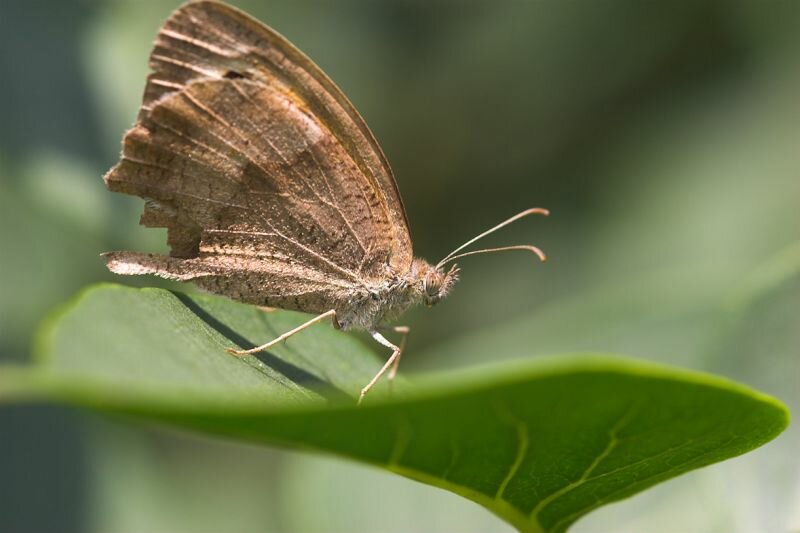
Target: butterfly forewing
{"x": 246, "y": 150}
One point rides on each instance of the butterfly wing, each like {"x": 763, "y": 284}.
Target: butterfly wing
{"x": 249, "y": 154}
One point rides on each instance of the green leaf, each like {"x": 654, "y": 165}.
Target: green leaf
{"x": 540, "y": 443}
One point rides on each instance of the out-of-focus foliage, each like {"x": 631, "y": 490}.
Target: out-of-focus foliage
{"x": 664, "y": 137}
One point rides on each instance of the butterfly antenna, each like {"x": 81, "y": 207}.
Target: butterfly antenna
{"x": 533, "y": 211}
{"x": 527, "y": 247}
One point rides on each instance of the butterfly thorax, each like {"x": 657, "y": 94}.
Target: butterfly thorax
{"x": 382, "y": 303}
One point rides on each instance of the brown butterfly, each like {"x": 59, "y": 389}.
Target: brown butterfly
{"x": 273, "y": 190}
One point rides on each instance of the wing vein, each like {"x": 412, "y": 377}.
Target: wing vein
{"x": 197, "y": 43}
{"x": 292, "y": 168}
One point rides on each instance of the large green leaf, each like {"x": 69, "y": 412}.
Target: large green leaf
{"x": 538, "y": 443}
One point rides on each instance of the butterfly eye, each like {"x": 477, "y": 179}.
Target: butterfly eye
{"x": 431, "y": 287}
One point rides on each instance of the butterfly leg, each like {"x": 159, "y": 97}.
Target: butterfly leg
{"x": 389, "y": 362}
{"x": 404, "y": 331}
{"x": 298, "y": 329}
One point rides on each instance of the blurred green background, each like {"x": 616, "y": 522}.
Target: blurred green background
{"x": 664, "y": 137}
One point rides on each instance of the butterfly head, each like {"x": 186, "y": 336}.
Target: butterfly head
{"x": 437, "y": 284}
{"x": 433, "y": 283}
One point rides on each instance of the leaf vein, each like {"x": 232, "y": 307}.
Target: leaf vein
{"x": 613, "y": 442}
{"x": 523, "y": 441}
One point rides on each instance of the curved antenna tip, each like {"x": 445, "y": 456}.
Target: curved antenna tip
{"x": 536, "y": 211}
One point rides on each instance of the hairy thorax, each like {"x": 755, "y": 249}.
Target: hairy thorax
{"x": 377, "y": 305}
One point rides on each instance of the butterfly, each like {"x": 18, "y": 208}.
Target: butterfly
{"x": 271, "y": 187}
